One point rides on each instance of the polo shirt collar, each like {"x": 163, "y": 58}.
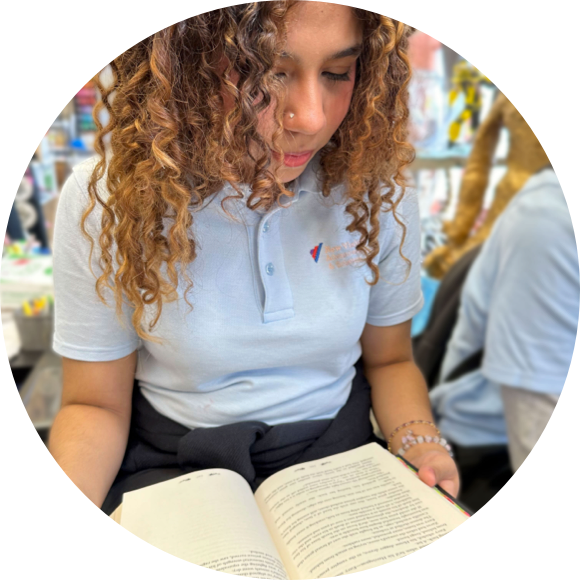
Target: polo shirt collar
{"x": 308, "y": 181}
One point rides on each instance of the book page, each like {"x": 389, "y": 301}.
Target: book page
{"x": 350, "y": 512}
{"x": 207, "y": 517}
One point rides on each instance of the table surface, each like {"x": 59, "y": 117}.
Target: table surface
{"x": 42, "y": 390}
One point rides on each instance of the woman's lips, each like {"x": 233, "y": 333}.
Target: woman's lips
{"x": 294, "y": 159}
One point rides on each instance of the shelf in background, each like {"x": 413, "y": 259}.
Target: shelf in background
{"x": 443, "y": 162}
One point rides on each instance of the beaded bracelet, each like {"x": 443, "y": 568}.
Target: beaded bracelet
{"x": 409, "y": 440}
{"x": 417, "y": 422}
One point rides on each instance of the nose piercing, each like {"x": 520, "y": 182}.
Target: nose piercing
{"x": 291, "y": 115}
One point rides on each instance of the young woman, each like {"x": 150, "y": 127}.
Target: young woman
{"x": 247, "y": 218}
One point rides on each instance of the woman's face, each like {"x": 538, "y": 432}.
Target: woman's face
{"x": 318, "y": 68}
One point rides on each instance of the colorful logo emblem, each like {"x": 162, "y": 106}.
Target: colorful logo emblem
{"x": 315, "y": 252}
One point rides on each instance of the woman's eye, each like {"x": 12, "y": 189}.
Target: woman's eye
{"x": 337, "y": 77}
{"x": 280, "y": 75}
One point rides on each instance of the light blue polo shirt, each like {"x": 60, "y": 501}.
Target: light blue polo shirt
{"x": 520, "y": 304}
{"x": 279, "y": 305}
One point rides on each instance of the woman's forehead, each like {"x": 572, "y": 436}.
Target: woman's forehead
{"x": 321, "y": 30}
{"x": 320, "y": 16}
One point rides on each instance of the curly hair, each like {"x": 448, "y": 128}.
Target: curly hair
{"x": 169, "y": 143}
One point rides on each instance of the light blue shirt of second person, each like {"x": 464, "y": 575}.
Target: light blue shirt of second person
{"x": 520, "y": 304}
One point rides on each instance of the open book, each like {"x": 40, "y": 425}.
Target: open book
{"x": 334, "y": 516}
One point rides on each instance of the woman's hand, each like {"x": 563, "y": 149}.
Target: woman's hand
{"x": 436, "y": 467}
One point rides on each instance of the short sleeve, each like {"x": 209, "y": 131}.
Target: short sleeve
{"x": 397, "y": 296}
{"x": 85, "y": 328}
{"x": 533, "y": 311}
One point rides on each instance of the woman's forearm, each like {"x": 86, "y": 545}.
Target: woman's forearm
{"x": 88, "y": 443}
{"x": 399, "y": 394}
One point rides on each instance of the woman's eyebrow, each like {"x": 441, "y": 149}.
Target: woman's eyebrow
{"x": 351, "y": 51}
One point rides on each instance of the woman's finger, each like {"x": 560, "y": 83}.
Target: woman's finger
{"x": 437, "y": 468}
{"x": 427, "y": 475}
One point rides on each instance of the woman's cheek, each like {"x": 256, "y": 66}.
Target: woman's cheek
{"x": 266, "y": 124}
{"x": 343, "y": 97}
{"x": 341, "y": 104}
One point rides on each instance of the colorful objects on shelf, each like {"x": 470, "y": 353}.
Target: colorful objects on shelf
{"x": 26, "y": 275}
{"x": 37, "y": 306}
{"x": 24, "y": 249}
{"x": 466, "y": 81}
{"x": 85, "y": 101}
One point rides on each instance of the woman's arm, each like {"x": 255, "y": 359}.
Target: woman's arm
{"x": 399, "y": 394}
{"x": 90, "y": 432}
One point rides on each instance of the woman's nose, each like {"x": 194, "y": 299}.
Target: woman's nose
{"x": 306, "y": 102}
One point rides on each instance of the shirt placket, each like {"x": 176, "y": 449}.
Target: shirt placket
{"x": 278, "y": 301}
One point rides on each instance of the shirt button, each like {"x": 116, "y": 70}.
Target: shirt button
{"x": 270, "y": 269}
{"x": 266, "y": 227}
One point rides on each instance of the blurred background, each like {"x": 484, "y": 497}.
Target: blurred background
{"x": 452, "y": 105}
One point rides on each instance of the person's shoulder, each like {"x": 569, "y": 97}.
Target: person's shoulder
{"x": 81, "y": 174}
{"x": 84, "y": 169}
{"x": 539, "y": 210}
{"x": 73, "y": 200}
{"x": 536, "y": 230}
{"x": 541, "y": 198}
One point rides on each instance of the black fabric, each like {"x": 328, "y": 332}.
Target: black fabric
{"x": 470, "y": 364}
{"x": 14, "y": 228}
{"x": 429, "y": 347}
{"x": 159, "y": 448}
{"x": 483, "y": 470}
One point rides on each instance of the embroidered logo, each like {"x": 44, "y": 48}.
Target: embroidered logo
{"x": 315, "y": 252}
